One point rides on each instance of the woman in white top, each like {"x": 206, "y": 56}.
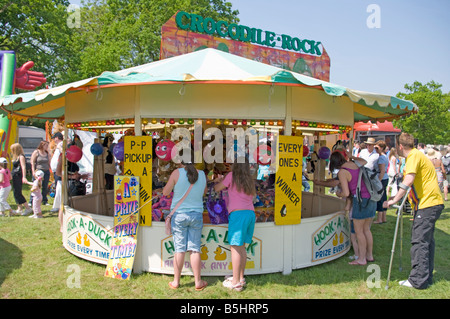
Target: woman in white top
{"x": 392, "y": 171}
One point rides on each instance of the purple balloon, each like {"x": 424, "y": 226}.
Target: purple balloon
{"x": 119, "y": 151}
{"x": 324, "y": 153}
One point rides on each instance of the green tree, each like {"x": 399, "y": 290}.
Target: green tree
{"x": 111, "y": 34}
{"x": 431, "y": 124}
{"x": 37, "y": 31}
{"x": 118, "y": 34}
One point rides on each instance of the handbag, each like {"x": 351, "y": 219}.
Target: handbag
{"x": 217, "y": 209}
{"x": 169, "y": 217}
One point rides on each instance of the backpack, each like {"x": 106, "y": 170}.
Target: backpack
{"x": 372, "y": 182}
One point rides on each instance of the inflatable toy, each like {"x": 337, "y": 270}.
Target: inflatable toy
{"x": 74, "y": 154}
{"x": 163, "y": 149}
{"x": 324, "y": 153}
{"x": 119, "y": 151}
{"x": 305, "y": 150}
{"x": 97, "y": 149}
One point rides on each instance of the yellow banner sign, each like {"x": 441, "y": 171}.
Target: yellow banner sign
{"x": 288, "y": 181}
{"x": 126, "y": 214}
{"x": 138, "y": 158}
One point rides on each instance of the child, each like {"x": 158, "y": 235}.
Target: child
{"x": 5, "y": 187}
{"x": 241, "y": 190}
{"x": 36, "y": 192}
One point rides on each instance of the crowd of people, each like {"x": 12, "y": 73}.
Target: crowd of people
{"x": 44, "y": 162}
{"x": 422, "y": 172}
{"x": 398, "y": 170}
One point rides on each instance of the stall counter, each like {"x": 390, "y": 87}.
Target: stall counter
{"x": 323, "y": 235}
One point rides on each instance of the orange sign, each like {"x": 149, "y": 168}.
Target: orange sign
{"x": 177, "y": 41}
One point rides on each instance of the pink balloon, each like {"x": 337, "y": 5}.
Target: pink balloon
{"x": 74, "y": 154}
{"x": 305, "y": 150}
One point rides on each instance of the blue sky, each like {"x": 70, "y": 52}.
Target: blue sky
{"x": 412, "y": 43}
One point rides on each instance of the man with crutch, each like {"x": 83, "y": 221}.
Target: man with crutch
{"x": 427, "y": 202}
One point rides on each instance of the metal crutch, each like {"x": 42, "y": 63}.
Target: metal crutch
{"x": 399, "y": 221}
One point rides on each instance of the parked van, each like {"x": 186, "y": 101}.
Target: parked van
{"x": 29, "y": 138}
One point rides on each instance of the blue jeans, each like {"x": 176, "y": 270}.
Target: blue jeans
{"x": 187, "y": 231}
{"x": 305, "y": 184}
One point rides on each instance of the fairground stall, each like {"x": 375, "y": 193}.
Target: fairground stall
{"x": 208, "y": 88}
{"x": 209, "y": 101}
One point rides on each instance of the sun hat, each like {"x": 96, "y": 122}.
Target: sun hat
{"x": 431, "y": 153}
{"x": 371, "y": 141}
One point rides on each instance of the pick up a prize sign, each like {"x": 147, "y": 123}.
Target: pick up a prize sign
{"x": 126, "y": 224}
{"x": 138, "y": 158}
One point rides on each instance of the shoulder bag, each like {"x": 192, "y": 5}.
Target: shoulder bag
{"x": 169, "y": 217}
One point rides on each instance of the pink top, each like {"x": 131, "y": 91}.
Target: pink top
{"x": 37, "y": 193}
{"x": 353, "y": 184}
{"x": 237, "y": 200}
{"x": 6, "y": 177}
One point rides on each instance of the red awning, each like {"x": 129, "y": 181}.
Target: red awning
{"x": 378, "y": 127}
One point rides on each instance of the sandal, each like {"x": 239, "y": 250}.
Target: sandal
{"x": 238, "y": 287}
{"x": 203, "y": 286}
{"x": 229, "y": 279}
{"x": 172, "y": 286}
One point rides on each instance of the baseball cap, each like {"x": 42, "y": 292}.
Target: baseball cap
{"x": 3, "y": 160}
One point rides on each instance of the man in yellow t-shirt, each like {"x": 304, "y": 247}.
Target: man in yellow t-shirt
{"x": 426, "y": 199}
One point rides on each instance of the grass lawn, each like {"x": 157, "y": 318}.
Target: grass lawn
{"x": 34, "y": 265}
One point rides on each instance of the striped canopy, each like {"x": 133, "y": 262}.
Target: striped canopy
{"x": 201, "y": 67}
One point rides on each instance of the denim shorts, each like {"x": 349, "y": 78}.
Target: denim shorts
{"x": 241, "y": 225}
{"x": 187, "y": 231}
{"x": 366, "y": 209}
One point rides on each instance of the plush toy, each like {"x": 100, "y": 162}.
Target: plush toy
{"x": 129, "y": 132}
{"x": 165, "y": 168}
{"x": 161, "y": 206}
{"x": 311, "y": 162}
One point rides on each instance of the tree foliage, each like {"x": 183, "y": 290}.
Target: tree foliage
{"x": 111, "y": 34}
{"x": 37, "y": 31}
{"x": 117, "y": 34}
{"x": 431, "y": 124}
